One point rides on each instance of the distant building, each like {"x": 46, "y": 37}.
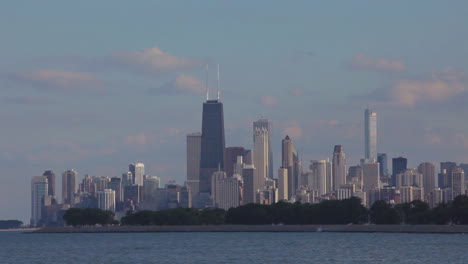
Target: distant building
{"x": 230, "y": 159}
{"x": 399, "y": 165}
{"x": 51, "y": 181}
{"x": 138, "y": 170}
{"x": 115, "y": 184}
{"x": 39, "y": 190}
{"x": 410, "y": 177}
{"x": 215, "y": 178}
{"x": 382, "y": 160}
{"x": 69, "y": 186}
{"x": 338, "y": 167}
{"x": 283, "y": 184}
{"x": 228, "y": 192}
{"x": 370, "y": 173}
{"x": 427, "y": 169}
{"x": 264, "y": 123}
{"x": 370, "y": 134}
{"x": 260, "y": 157}
{"x": 458, "y": 182}
{"x": 411, "y": 193}
{"x": 290, "y": 161}
{"x": 150, "y": 185}
{"x": 249, "y": 190}
{"x": 127, "y": 179}
{"x": 193, "y": 161}
{"x": 106, "y": 200}
{"x": 132, "y": 192}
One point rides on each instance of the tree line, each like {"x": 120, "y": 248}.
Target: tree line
{"x": 328, "y": 212}
{"x": 10, "y": 224}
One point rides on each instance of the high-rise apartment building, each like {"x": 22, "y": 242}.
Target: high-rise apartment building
{"x": 260, "y": 156}
{"x": 427, "y": 169}
{"x": 283, "y": 184}
{"x": 212, "y": 142}
{"x": 228, "y": 192}
{"x": 370, "y": 134}
{"x": 370, "y": 174}
{"x": 410, "y": 177}
{"x": 106, "y": 200}
{"x": 458, "y": 182}
{"x": 138, "y": 170}
{"x": 264, "y": 123}
{"x": 69, "y": 186}
{"x": 115, "y": 184}
{"x": 193, "y": 162}
{"x": 338, "y": 167}
{"x": 51, "y": 182}
{"x": 319, "y": 170}
{"x": 39, "y": 190}
{"x": 217, "y": 176}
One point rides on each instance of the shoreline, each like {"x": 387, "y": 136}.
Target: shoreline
{"x": 421, "y": 229}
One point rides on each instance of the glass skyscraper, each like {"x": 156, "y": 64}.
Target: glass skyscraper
{"x": 370, "y": 134}
{"x": 212, "y": 142}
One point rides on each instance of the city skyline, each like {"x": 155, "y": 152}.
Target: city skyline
{"x": 89, "y": 99}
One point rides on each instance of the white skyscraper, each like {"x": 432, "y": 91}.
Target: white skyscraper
{"x": 319, "y": 176}
{"x": 228, "y": 192}
{"x": 193, "y": 162}
{"x": 370, "y": 134}
{"x": 370, "y": 174}
{"x": 266, "y": 124}
{"x": 138, "y": 170}
{"x": 260, "y": 157}
{"x": 338, "y": 167}
{"x": 39, "y": 189}
{"x": 106, "y": 200}
{"x": 283, "y": 184}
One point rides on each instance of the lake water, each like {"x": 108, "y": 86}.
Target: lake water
{"x": 359, "y": 248}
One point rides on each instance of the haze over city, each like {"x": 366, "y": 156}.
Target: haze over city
{"x": 94, "y": 94}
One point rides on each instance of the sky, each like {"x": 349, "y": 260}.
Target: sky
{"x": 96, "y": 85}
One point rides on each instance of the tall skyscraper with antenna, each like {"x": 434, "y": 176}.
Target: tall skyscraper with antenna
{"x": 212, "y": 139}
{"x": 370, "y": 134}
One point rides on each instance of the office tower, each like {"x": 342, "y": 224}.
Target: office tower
{"x": 338, "y": 167}
{"x": 106, "y": 200}
{"x": 87, "y": 185}
{"x": 239, "y": 166}
{"x": 69, "y": 186}
{"x": 193, "y": 161}
{"x": 39, "y": 190}
{"x": 370, "y": 134}
{"x": 464, "y": 166}
{"x": 51, "y": 182}
{"x": 448, "y": 166}
{"x": 138, "y": 170}
{"x": 215, "y": 178}
{"x": 101, "y": 182}
{"x": 458, "y": 182}
{"x": 115, "y": 184}
{"x": 329, "y": 176}
{"x": 150, "y": 185}
{"x": 228, "y": 192}
{"x": 445, "y": 175}
{"x": 382, "y": 160}
{"x": 247, "y": 157}
{"x": 127, "y": 178}
{"x": 283, "y": 184}
{"x": 260, "y": 154}
{"x": 212, "y": 142}
{"x": 410, "y": 177}
{"x": 290, "y": 161}
{"x": 264, "y": 123}
{"x": 248, "y": 174}
{"x": 319, "y": 175}
{"x": 370, "y": 174}
{"x": 399, "y": 165}
{"x": 132, "y": 192}
{"x": 230, "y": 158}
{"x": 427, "y": 169}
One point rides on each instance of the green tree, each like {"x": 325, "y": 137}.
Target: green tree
{"x": 382, "y": 213}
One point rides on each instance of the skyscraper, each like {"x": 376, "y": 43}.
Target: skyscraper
{"x": 39, "y": 189}
{"x": 338, "y": 167}
{"x": 260, "y": 156}
{"x": 138, "y": 170}
{"x": 193, "y": 161}
{"x": 51, "y": 182}
{"x": 399, "y": 165}
{"x": 319, "y": 176}
{"x": 290, "y": 161}
{"x": 266, "y": 124}
{"x": 370, "y": 174}
{"x": 69, "y": 186}
{"x": 382, "y": 160}
{"x": 106, "y": 200}
{"x": 212, "y": 142}
{"x": 230, "y": 159}
{"x": 458, "y": 182}
{"x": 427, "y": 169}
{"x": 370, "y": 134}
{"x": 283, "y": 184}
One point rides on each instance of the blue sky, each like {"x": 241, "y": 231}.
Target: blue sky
{"x": 96, "y": 85}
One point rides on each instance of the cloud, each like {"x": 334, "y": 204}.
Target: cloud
{"x": 432, "y": 138}
{"x": 153, "y": 59}
{"x": 58, "y": 80}
{"x": 292, "y": 128}
{"x": 181, "y": 84}
{"x": 441, "y": 86}
{"x": 361, "y": 61}
{"x": 268, "y": 100}
{"x": 28, "y": 100}
{"x": 138, "y": 139}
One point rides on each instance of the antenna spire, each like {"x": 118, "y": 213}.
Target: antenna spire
{"x": 206, "y": 83}
{"x": 218, "y": 82}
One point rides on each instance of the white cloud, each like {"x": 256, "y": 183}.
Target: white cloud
{"x": 181, "y": 84}
{"x": 268, "y": 100}
{"x": 362, "y": 61}
{"x": 154, "y": 59}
